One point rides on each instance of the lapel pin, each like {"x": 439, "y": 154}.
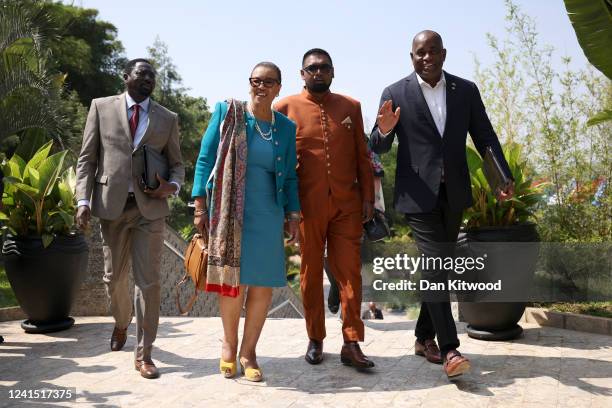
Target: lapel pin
{"x": 453, "y": 86}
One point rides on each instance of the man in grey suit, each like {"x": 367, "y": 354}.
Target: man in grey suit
{"x": 431, "y": 112}
{"x": 132, "y": 217}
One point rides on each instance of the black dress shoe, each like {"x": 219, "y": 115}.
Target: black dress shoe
{"x": 352, "y": 355}
{"x": 333, "y": 297}
{"x": 314, "y": 353}
{"x": 333, "y": 300}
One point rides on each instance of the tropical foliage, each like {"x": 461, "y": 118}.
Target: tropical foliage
{"x": 39, "y": 194}
{"x": 592, "y": 21}
{"x": 54, "y": 59}
{"x": 29, "y": 93}
{"x": 543, "y": 106}
{"x": 86, "y": 50}
{"x": 487, "y": 211}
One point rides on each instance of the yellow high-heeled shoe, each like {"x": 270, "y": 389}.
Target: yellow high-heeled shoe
{"x": 251, "y": 374}
{"x": 227, "y": 368}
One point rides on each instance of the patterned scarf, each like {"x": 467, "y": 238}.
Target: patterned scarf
{"x": 227, "y": 204}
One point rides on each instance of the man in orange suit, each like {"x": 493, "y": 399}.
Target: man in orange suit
{"x": 336, "y": 190}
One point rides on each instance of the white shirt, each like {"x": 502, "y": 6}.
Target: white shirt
{"x": 436, "y": 101}
{"x": 143, "y": 124}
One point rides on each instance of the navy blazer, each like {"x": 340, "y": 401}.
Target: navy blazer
{"x": 423, "y": 152}
{"x": 283, "y": 144}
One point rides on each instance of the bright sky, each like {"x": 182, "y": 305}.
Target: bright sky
{"x": 215, "y": 44}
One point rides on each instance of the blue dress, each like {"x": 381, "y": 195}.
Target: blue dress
{"x": 262, "y": 260}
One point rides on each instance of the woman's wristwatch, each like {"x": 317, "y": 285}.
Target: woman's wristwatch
{"x": 292, "y": 216}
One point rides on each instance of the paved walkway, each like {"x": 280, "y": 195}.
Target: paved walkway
{"x": 546, "y": 368}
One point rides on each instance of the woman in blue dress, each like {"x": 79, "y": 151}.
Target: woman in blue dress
{"x": 245, "y": 192}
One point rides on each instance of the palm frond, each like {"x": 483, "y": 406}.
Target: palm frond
{"x": 31, "y": 113}
{"x": 15, "y": 74}
{"x": 18, "y": 23}
{"x": 29, "y": 96}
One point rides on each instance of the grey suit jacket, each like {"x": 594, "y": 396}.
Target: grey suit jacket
{"x": 108, "y": 161}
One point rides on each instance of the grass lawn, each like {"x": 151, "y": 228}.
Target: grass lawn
{"x": 601, "y": 309}
{"x": 7, "y": 297}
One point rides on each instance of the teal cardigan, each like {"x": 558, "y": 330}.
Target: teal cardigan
{"x": 283, "y": 144}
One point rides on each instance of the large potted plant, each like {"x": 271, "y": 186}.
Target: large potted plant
{"x": 504, "y": 234}
{"x": 45, "y": 256}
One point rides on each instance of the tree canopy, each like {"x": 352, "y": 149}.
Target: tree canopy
{"x": 86, "y": 50}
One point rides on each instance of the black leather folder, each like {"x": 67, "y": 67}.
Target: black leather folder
{"x": 496, "y": 176}
{"x": 154, "y": 163}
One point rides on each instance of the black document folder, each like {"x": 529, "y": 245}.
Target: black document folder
{"x": 154, "y": 163}
{"x": 496, "y": 176}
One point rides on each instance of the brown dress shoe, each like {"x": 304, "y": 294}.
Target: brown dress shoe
{"x": 118, "y": 338}
{"x": 352, "y": 355}
{"x": 428, "y": 349}
{"x": 455, "y": 364}
{"x": 147, "y": 369}
{"x": 314, "y": 353}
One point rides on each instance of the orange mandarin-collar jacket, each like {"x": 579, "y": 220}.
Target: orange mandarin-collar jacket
{"x": 331, "y": 151}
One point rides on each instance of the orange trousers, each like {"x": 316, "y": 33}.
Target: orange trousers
{"x": 342, "y": 232}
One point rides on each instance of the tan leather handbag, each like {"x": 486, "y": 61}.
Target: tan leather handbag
{"x": 196, "y": 262}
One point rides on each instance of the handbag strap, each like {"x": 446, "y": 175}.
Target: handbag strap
{"x": 191, "y": 301}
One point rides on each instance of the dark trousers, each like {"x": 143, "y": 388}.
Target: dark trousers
{"x": 435, "y": 233}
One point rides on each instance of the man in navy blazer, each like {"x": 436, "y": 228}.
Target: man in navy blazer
{"x": 431, "y": 111}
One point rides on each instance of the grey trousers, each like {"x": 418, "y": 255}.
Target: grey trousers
{"x": 131, "y": 238}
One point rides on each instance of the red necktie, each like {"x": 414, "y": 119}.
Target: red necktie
{"x": 134, "y": 119}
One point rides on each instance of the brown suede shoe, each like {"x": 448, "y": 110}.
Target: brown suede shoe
{"x": 455, "y": 364}
{"x": 147, "y": 369}
{"x": 429, "y": 349}
{"x": 352, "y": 355}
{"x": 118, "y": 338}
{"x": 314, "y": 353}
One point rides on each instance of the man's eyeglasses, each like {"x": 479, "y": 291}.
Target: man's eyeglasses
{"x": 324, "y": 68}
{"x": 268, "y": 83}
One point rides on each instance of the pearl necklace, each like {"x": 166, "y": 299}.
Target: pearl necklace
{"x": 267, "y": 136}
